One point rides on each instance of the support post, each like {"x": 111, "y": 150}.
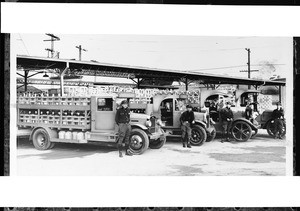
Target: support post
{"x": 61, "y": 76}
{"x": 186, "y": 84}
{"x": 138, "y": 83}
{"x": 280, "y": 94}
{"x": 25, "y": 80}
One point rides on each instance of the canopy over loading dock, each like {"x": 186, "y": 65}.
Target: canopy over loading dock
{"x": 140, "y": 75}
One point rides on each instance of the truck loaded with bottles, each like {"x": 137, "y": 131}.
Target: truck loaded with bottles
{"x": 53, "y": 119}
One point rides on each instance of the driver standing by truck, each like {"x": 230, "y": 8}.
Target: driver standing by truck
{"x": 123, "y": 121}
{"x": 278, "y": 117}
{"x": 187, "y": 118}
{"x": 226, "y": 119}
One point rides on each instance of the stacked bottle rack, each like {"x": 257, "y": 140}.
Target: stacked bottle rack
{"x": 54, "y": 111}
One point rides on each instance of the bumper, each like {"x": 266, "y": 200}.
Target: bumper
{"x": 158, "y": 135}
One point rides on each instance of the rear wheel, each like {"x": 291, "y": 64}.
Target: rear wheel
{"x": 241, "y": 131}
{"x": 198, "y": 135}
{"x": 138, "y": 141}
{"x": 41, "y": 139}
{"x": 211, "y": 136}
{"x": 271, "y": 129}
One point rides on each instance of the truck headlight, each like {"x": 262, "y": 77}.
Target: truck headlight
{"x": 148, "y": 123}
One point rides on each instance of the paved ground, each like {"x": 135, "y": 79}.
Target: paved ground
{"x": 260, "y": 156}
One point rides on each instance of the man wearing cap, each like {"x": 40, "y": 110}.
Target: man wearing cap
{"x": 226, "y": 116}
{"x": 278, "y": 117}
{"x": 187, "y": 118}
{"x": 123, "y": 121}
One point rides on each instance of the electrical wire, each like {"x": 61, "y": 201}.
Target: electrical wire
{"x": 217, "y": 68}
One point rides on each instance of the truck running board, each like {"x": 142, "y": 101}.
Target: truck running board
{"x": 69, "y": 141}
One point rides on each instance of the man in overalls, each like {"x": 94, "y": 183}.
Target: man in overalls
{"x": 187, "y": 118}
{"x": 123, "y": 121}
{"x": 278, "y": 120}
{"x": 226, "y": 119}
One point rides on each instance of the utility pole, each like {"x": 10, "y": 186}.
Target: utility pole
{"x": 249, "y": 69}
{"x": 80, "y": 49}
{"x": 52, "y": 39}
{"x": 248, "y": 49}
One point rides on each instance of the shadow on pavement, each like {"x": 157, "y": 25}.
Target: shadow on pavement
{"x": 64, "y": 150}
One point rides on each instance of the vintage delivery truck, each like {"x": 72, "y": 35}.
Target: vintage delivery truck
{"x": 82, "y": 120}
{"x": 242, "y": 128}
{"x": 168, "y": 108}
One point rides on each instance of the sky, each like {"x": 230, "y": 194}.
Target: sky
{"x": 216, "y": 55}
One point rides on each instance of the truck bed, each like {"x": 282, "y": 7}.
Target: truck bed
{"x": 54, "y": 112}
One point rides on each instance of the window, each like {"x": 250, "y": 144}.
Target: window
{"x": 180, "y": 104}
{"x": 105, "y": 104}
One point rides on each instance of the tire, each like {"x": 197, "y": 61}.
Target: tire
{"x": 199, "y": 135}
{"x": 270, "y": 129}
{"x": 241, "y": 131}
{"x": 211, "y": 136}
{"x": 158, "y": 143}
{"x": 41, "y": 139}
{"x": 138, "y": 141}
{"x": 52, "y": 145}
{"x": 254, "y": 133}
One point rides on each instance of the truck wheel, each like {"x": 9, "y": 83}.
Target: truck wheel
{"x": 254, "y": 133}
{"x": 211, "y": 136}
{"x": 52, "y": 145}
{"x": 138, "y": 141}
{"x": 271, "y": 129}
{"x": 241, "y": 131}
{"x": 41, "y": 139}
{"x": 158, "y": 143}
{"x": 198, "y": 135}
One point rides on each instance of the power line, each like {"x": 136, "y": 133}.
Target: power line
{"x": 266, "y": 64}
{"x": 217, "y": 68}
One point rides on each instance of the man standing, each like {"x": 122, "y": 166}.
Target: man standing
{"x": 278, "y": 117}
{"x": 187, "y": 118}
{"x": 123, "y": 121}
{"x": 226, "y": 119}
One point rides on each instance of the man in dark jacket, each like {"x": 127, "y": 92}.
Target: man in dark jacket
{"x": 187, "y": 118}
{"x": 123, "y": 121}
{"x": 278, "y": 117}
{"x": 226, "y": 119}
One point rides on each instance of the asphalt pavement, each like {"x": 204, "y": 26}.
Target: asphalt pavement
{"x": 260, "y": 156}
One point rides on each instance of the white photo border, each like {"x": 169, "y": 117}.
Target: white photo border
{"x": 157, "y": 191}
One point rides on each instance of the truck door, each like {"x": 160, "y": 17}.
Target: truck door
{"x": 179, "y": 108}
{"x": 103, "y": 113}
{"x": 166, "y": 110}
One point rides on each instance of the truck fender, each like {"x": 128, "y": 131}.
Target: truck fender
{"x": 202, "y": 124}
{"x": 52, "y": 133}
{"x": 143, "y": 127}
{"x": 253, "y": 127}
